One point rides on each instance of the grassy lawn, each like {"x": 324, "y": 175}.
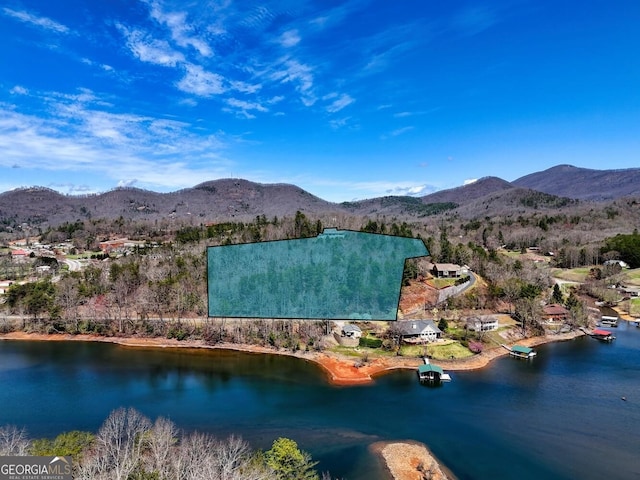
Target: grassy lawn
{"x": 437, "y": 352}
{"x": 634, "y": 307}
{"x": 632, "y": 276}
{"x": 571, "y": 274}
{"x": 443, "y": 282}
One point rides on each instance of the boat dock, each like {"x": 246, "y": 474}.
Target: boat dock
{"x": 602, "y": 335}
{"x": 432, "y": 374}
{"x": 520, "y": 351}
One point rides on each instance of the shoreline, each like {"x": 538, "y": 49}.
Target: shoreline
{"x": 402, "y": 458}
{"x": 340, "y": 369}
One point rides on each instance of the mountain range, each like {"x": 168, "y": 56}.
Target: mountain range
{"x": 242, "y": 200}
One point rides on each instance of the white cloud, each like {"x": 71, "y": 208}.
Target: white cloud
{"x": 103, "y": 66}
{"x": 81, "y": 137}
{"x": 242, "y": 107}
{"x": 343, "y": 101}
{"x": 292, "y": 71}
{"x": 245, "y": 87}
{"x": 290, "y": 38}
{"x": 413, "y": 191}
{"x": 42, "y": 22}
{"x": 362, "y": 190}
{"x": 181, "y": 31}
{"x": 150, "y": 50}
{"x": 338, "y": 123}
{"x": 400, "y": 131}
{"x": 470, "y": 181}
{"x": 19, "y": 90}
{"x": 200, "y": 82}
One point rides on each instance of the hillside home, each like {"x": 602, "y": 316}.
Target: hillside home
{"x": 418, "y": 331}
{"x": 446, "y": 270}
{"x": 352, "y": 331}
{"x": 482, "y": 323}
{"x": 555, "y": 313}
{"x": 620, "y": 263}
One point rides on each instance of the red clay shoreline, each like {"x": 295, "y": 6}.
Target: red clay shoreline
{"x": 340, "y": 369}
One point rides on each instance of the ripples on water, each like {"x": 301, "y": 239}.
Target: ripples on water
{"x": 559, "y": 416}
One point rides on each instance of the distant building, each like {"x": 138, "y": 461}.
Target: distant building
{"x": 119, "y": 244}
{"x": 620, "y": 263}
{"x": 20, "y": 254}
{"x": 4, "y": 286}
{"x": 418, "y": 331}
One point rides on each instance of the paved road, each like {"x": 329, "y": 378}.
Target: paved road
{"x": 74, "y": 265}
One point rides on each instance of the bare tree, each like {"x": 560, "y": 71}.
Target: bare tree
{"x": 160, "y": 441}
{"x": 120, "y": 441}
{"x": 13, "y": 441}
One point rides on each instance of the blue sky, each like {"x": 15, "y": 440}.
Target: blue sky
{"x": 347, "y": 99}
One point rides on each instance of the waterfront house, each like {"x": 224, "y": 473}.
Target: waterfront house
{"x": 482, "y": 323}
{"x": 555, "y": 313}
{"x": 351, "y": 331}
{"x": 418, "y": 331}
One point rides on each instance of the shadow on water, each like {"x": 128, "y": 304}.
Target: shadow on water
{"x": 559, "y": 416}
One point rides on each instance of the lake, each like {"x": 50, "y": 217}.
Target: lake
{"x": 560, "y": 416}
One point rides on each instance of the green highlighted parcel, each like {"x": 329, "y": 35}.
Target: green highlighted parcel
{"x": 339, "y": 274}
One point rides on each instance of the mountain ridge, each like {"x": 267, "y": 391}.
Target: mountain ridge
{"x": 233, "y": 199}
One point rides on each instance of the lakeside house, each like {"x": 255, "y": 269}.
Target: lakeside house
{"x": 418, "y": 331}
{"x": 482, "y": 323}
{"x": 351, "y": 331}
{"x": 555, "y": 313}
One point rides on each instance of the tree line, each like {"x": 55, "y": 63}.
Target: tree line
{"x": 129, "y": 446}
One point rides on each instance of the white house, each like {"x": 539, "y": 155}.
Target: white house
{"x": 418, "y": 331}
{"x": 352, "y": 331}
{"x": 482, "y": 323}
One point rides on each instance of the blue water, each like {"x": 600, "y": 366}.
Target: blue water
{"x": 560, "y": 416}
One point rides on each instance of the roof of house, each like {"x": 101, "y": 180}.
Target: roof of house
{"x": 446, "y": 266}
{"x": 430, "y": 368}
{"x": 521, "y": 349}
{"x": 554, "y": 309}
{"x": 351, "y": 328}
{"x": 417, "y": 327}
{"x": 482, "y": 319}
